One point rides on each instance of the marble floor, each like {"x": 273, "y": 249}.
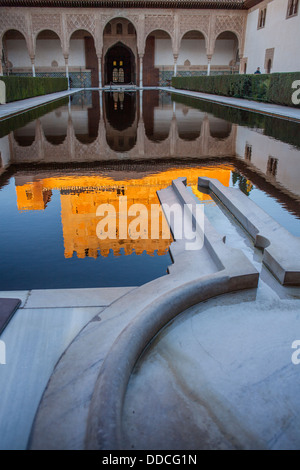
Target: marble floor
{"x": 35, "y": 338}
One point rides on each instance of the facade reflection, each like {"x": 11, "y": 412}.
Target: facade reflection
{"x": 81, "y": 195}
{"x": 146, "y": 129}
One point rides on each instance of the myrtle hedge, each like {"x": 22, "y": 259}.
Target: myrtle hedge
{"x": 19, "y": 88}
{"x": 277, "y": 88}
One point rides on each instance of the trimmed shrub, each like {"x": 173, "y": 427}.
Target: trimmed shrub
{"x": 20, "y": 88}
{"x": 269, "y": 88}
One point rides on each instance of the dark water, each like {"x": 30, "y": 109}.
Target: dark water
{"x": 61, "y": 162}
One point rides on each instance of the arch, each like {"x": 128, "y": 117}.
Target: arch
{"x": 83, "y": 58}
{"x": 188, "y": 31}
{"x": 52, "y": 30}
{"x": 85, "y": 116}
{"x": 226, "y": 51}
{"x": 76, "y": 30}
{"x": 16, "y": 55}
{"x": 119, "y": 58}
{"x": 26, "y": 135}
{"x": 48, "y": 48}
{"x": 54, "y": 125}
{"x": 128, "y": 19}
{"x": 157, "y": 116}
{"x": 219, "y": 128}
{"x": 232, "y": 32}
{"x": 159, "y": 30}
{"x": 121, "y": 121}
{"x": 159, "y": 58}
{"x": 192, "y": 47}
{"x": 189, "y": 122}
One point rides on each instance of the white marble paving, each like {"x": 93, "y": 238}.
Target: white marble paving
{"x": 15, "y": 107}
{"x": 91, "y": 297}
{"x": 35, "y": 339}
{"x": 220, "y": 377}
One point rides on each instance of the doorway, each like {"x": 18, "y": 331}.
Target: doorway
{"x": 120, "y": 65}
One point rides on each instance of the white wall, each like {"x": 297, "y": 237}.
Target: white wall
{"x": 17, "y": 53}
{"x": 163, "y": 52}
{"x": 263, "y": 147}
{"x": 281, "y": 33}
{"x": 77, "y": 53}
{"x": 192, "y": 50}
{"x": 47, "y": 50}
{"x": 224, "y": 52}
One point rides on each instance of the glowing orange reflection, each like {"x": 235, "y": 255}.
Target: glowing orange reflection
{"x": 81, "y": 195}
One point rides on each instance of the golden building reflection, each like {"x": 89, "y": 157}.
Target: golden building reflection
{"x": 80, "y": 197}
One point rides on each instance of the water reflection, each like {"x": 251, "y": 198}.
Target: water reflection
{"x": 81, "y": 195}
{"x": 98, "y": 147}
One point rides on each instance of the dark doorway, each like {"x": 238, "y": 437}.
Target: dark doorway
{"x": 119, "y": 65}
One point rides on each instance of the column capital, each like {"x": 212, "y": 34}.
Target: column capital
{"x": 209, "y": 57}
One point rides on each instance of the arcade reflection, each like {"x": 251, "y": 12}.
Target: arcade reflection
{"x": 102, "y": 146}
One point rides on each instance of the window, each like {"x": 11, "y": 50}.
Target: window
{"x": 292, "y": 8}
{"x": 248, "y": 152}
{"x": 29, "y": 195}
{"x": 272, "y": 166}
{"x": 262, "y": 18}
{"x": 130, "y": 29}
{"x": 115, "y": 75}
{"x": 121, "y": 75}
{"x": 119, "y": 28}
{"x": 107, "y": 29}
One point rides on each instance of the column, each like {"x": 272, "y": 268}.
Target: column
{"x": 100, "y": 70}
{"x": 141, "y": 103}
{"x": 242, "y": 64}
{"x": 208, "y": 64}
{"x": 1, "y": 66}
{"x": 141, "y": 71}
{"x": 67, "y": 66}
{"x": 175, "y": 65}
{"x": 33, "y": 65}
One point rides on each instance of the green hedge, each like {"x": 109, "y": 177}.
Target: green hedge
{"x": 272, "y": 88}
{"x": 19, "y": 88}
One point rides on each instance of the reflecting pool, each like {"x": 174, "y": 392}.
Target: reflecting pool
{"x": 60, "y": 163}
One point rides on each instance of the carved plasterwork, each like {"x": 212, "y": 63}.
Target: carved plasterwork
{"x": 81, "y": 21}
{"x": 13, "y": 20}
{"x": 42, "y": 21}
{"x": 161, "y": 22}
